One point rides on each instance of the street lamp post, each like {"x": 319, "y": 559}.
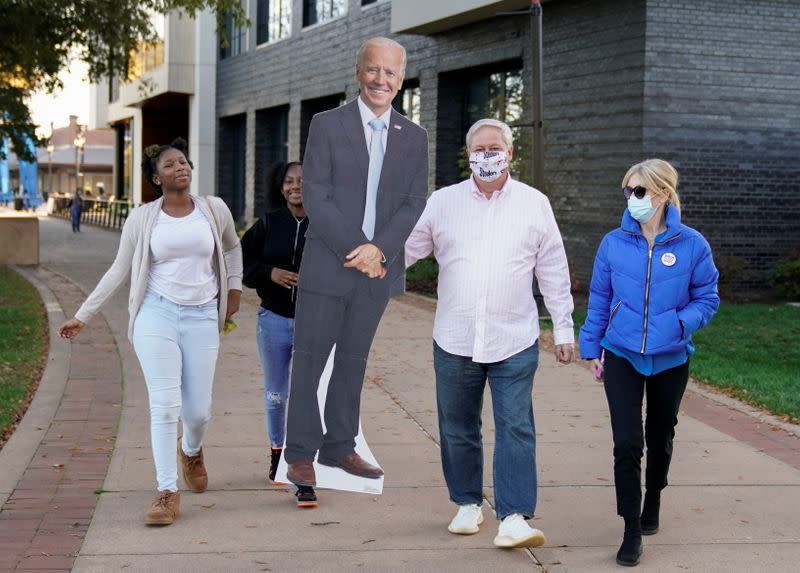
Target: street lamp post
{"x": 50, "y": 149}
{"x": 80, "y": 142}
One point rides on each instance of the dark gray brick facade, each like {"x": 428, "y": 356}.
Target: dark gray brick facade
{"x": 712, "y": 87}
{"x": 593, "y": 89}
{"x": 722, "y": 101}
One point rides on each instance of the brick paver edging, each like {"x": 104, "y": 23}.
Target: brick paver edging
{"x": 21, "y": 445}
{"x": 770, "y": 439}
{"x": 44, "y": 520}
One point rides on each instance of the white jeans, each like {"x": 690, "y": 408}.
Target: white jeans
{"x": 177, "y": 347}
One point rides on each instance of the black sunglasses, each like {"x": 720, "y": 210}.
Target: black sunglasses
{"x": 639, "y": 192}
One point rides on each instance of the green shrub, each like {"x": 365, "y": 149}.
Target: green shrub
{"x": 422, "y": 276}
{"x": 785, "y": 277}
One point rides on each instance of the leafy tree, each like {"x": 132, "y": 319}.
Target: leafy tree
{"x": 38, "y": 38}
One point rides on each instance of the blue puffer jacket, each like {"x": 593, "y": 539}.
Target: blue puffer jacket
{"x": 650, "y": 301}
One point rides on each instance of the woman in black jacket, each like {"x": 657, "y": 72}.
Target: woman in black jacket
{"x": 273, "y": 249}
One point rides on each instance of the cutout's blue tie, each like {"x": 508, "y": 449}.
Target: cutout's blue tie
{"x": 373, "y": 176}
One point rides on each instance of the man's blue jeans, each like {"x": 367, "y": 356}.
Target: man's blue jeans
{"x": 459, "y": 397}
{"x": 275, "y": 336}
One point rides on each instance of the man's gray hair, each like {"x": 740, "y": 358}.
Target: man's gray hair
{"x": 505, "y": 131}
{"x": 382, "y": 42}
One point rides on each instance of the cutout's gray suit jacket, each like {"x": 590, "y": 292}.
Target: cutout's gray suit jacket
{"x": 334, "y": 192}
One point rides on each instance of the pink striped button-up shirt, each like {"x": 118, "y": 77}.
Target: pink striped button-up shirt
{"x": 488, "y": 251}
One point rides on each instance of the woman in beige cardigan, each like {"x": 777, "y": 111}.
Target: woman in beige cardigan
{"x": 185, "y": 264}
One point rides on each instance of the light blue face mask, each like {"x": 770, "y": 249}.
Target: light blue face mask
{"x": 641, "y": 209}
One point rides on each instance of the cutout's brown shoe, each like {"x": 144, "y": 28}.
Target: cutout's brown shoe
{"x": 164, "y": 509}
{"x": 302, "y": 472}
{"x": 193, "y": 470}
{"x": 353, "y": 464}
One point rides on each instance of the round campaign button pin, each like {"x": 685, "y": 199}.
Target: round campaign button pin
{"x": 668, "y": 259}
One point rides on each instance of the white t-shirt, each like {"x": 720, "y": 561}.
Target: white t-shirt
{"x": 181, "y": 250}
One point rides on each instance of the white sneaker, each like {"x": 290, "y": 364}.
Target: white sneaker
{"x": 467, "y": 520}
{"x": 514, "y": 531}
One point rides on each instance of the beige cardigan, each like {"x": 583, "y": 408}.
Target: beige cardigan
{"x": 133, "y": 257}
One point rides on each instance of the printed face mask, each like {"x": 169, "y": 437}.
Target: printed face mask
{"x": 488, "y": 165}
{"x": 641, "y": 209}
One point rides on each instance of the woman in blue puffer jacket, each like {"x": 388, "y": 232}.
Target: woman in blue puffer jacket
{"x": 653, "y": 285}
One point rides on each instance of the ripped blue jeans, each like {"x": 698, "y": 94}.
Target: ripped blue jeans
{"x": 275, "y": 336}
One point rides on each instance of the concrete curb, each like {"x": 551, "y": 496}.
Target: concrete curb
{"x": 18, "y": 452}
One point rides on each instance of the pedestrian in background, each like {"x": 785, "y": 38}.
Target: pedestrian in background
{"x": 184, "y": 261}
{"x": 75, "y": 210}
{"x": 273, "y": 250}
{"x": 490, "y": 235}
{"x": 654, "y": 284}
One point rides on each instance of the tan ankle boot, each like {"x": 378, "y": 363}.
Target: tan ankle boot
{"x": 194, "y": 470}
{"x": 164, "y": 508}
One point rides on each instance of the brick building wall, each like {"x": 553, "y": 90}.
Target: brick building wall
{"x": 319, "y": 61}
{"x": 313, "y": 62}
{"x": 722, "y": 101}
{"x": 710, "y": 87}
{"x": 594, "y": 64}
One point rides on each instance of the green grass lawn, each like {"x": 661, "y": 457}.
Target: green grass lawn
{"x": 751, "y": 351}
{"x": 23, "y": 346}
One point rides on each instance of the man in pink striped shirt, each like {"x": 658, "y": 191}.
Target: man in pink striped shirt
{"x": 490, "y": 234}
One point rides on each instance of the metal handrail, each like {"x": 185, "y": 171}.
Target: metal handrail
{"x": 109, "y": 213}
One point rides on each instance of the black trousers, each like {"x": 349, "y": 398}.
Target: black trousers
{"x": 349, "y": 322}
{"x": 625, "y": 389}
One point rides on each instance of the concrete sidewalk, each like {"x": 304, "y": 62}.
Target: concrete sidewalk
{"x": 730, "y": 507}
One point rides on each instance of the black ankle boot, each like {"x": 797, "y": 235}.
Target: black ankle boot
{"x": 650, "y": 509}
{"x": 631, "y": 548}
{"x": 275, "y": 458}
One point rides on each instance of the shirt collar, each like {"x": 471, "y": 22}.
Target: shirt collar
{"x": 368, "y": 115}
{"x": 473, "y": 187}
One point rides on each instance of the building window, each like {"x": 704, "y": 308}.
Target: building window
{"x": 272, "y": 145}
{"x": 148, "y": 56}
{"x": 319, "y": 11}
{"x": 231, "y": 167}
{"x": 235, "y": 40}
{"x": 500, "y": 95}
{"x": 466, "y": 96}
{"x": 124, "y": 190}
{"x": 407, "y": 100}
{"x": 309, "y": 108}
{"x": 273, "y": 20}
{"x": 113, "y": 89}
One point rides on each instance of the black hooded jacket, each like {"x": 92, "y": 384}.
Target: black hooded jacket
{"x": 276, "y": 240}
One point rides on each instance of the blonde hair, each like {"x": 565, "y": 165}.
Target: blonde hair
{"x": 657, "y": 176}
